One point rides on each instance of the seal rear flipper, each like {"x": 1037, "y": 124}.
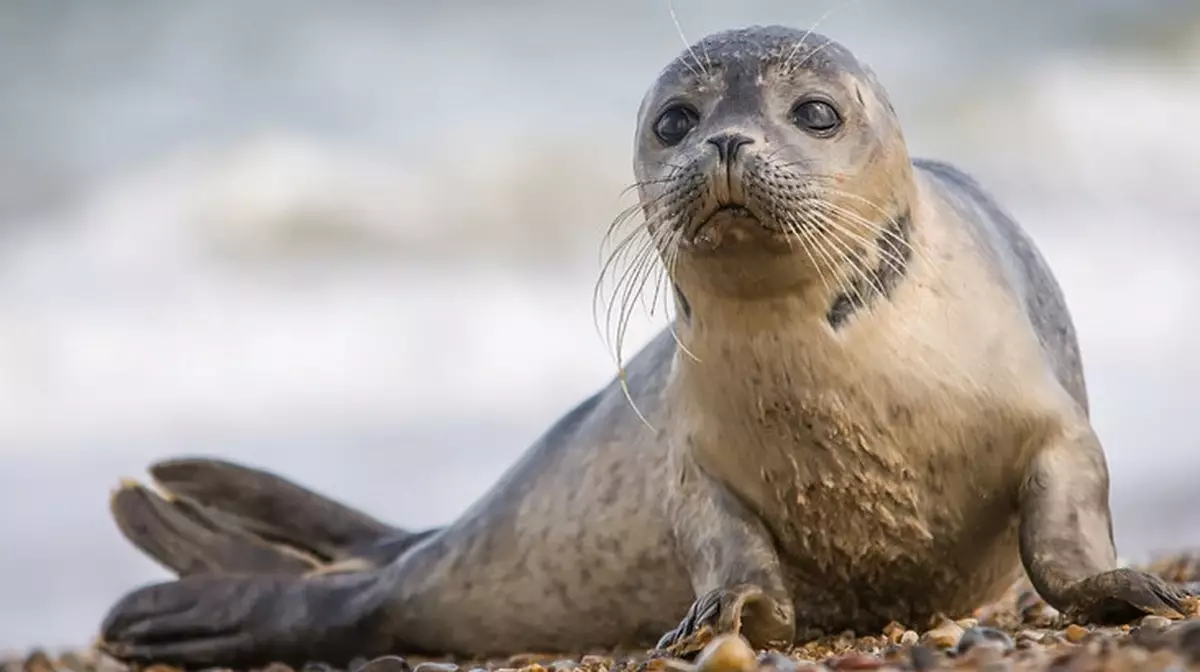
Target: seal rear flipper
{"x": 188, "y": 539}
{"x": 243, "y": 622}
{"x": 273, "y": 507}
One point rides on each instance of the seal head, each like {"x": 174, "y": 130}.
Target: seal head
{"x": 771, "y": 148}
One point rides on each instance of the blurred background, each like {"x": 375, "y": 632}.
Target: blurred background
{"x": 356, "y": 242}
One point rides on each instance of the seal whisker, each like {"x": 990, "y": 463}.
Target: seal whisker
{"x": 642, "y": 253}
{"x": 809, "y": 56}
{"x": 649, "y": 261}
{"x": 814, "y": 244}
{"x": 855, "y": 262}
{"x": 847, "y": 275}
{"x": 644, "y": 183}
{"x": 633, "y": 209}
{"x": 623, "y": 217}
{"x": 895, "y": 262}
{"x": 852, "y": 262}
{"x": 904, "y": 325}
{"x": 686, "y": 43}
{"x": 645, "y": 261}
{"x": 893, "y": 244}
{"x": 786, "y": 67}
{"x": 671, "y": 258}
{"x": 855, "y": 273}
{"x": 798, "y": 234}
{"x": 626, "y": 286}
{"x": 621, "y": 251}
{"x": 633, "y": 281}
{"x": 890, "y": 232}
{"x": 805, "y": 164}
{"x": 874, "y": 226}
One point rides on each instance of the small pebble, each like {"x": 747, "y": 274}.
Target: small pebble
{"x": 776, "y": 662}
{"x": 1034, "y": 611}
{"x": 38, "y": 661}
{"x": 525, "y": 660}
{"x": 384, "y": 664}
{"x": 1075, "y": 633}
{"x": 895, "y": 653}
{"x": 844, "y": 640}
{"x": 983, "y": 655}
{"x": 1187, "y": 636}
{"x": 856, "y": 661}
{"x": 74, "y": 662}
{"x": 967, "y": 623}
{"x": 563, "y": 665}
{"x": 1030, "y": 635}
{"x": 909, "y": 637}
{"x": 434, "y": 667}
{"x": 923, "y": 658}
{"x": 945, "y": 636}
{"x": 893, "y": 631}
{"x": 1155, "y": 622}
{"x": 975, "y": 636}
{"x": 727, "y": 653}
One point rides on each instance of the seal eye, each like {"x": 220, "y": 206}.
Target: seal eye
{"x": 816, "y": 116}
{"x": 674, "y": 124}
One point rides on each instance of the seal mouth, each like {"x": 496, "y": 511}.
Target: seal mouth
{"x": 733, "y": 210}
{"x": 723, "y": 216}
{"x": 723, "y": 221}
{"x": 730, "y": 226}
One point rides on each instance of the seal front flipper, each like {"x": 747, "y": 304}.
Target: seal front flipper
{"x": 733, "y": 566}
{"x": 1066, "y": 539}
{"x": 250, "y": 621}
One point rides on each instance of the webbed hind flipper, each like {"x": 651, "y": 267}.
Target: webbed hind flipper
{"x": 273, "y": 507}
{"x": 188, "y": 538}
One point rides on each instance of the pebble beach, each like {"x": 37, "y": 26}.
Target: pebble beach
{"x": 1018, "y": 632}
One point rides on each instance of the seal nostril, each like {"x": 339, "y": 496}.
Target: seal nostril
{"x": 727, "y": 144}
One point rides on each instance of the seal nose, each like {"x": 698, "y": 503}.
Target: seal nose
{"x": 728, "y": 144}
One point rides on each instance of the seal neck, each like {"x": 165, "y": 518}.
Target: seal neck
{"x": 716, "y": 298}
{"x": 893, "y": 256}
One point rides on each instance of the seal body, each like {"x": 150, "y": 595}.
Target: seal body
{"x": 888, "y": 455}
{"x": 871, "y": 407}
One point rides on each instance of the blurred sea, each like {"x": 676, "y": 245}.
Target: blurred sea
{"x": 355, "y": 242}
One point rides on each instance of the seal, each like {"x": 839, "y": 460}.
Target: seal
{"x": 870, "y": 406}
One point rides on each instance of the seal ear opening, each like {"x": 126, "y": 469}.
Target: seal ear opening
{"x": 272, "y": 507}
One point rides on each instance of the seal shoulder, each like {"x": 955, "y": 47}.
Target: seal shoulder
{"x": 1022, "y": 264}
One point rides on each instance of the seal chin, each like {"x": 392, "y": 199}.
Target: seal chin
{"x": 733, "y": 226}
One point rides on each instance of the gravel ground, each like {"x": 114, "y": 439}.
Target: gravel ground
{"x": 1019, "y": 632}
